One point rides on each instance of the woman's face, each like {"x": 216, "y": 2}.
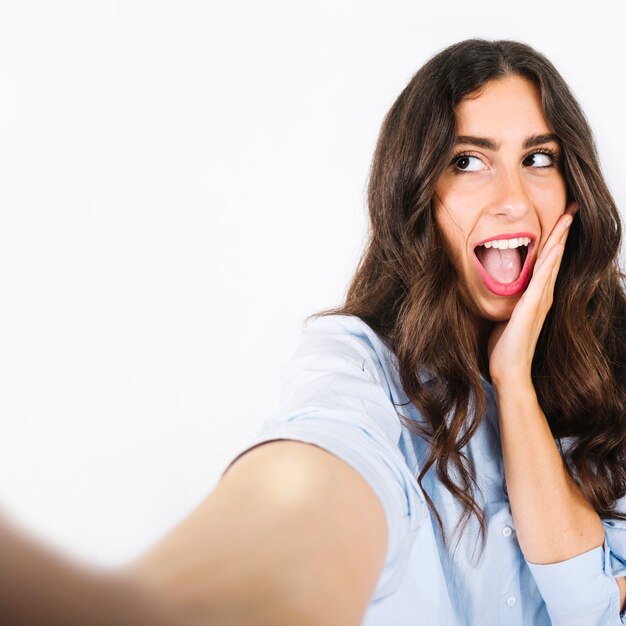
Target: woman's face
{"x": 501, "y": 195}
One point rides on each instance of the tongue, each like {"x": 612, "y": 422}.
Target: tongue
{"x": 504, "y": 266}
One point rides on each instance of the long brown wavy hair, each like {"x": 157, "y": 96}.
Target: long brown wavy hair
{"x": 407, "y": 290}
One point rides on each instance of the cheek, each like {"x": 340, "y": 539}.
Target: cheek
{"x": 455, "y": 249}
{"x": 450, "y": 231}
{"x": 457, "y": 211}
{"x": 547, "y": 220}
{"x": 453, "y": 217}
{"x": 549, "y": 195}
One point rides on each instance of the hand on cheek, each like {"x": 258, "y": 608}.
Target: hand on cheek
{"x": 512, "y": 343}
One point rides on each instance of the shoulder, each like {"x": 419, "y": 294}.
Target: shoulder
{"x": 347, "y": 340}
{"x": 338, "y": 394}
{"x": 297, "y": 475}
{"x": 341, "y": 373}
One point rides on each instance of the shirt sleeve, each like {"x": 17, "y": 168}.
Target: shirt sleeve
{"x": 334, "y": 396}
{"x": 583, "y": 590}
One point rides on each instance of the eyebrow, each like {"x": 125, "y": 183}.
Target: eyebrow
{"x": 490, "y": 144}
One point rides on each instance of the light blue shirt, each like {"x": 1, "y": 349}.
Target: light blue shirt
{"x": 341, "y": 391}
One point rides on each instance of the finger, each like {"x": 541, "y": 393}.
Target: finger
{"x": 551, "y": 263}
{"x": 560, "y": 230}
{"x": 563, "y": 222}
{"x": 541, "y": 286}
{"x": 557, "y": 236}
{"x": 555, "y": 269}
{"x": 572, "y": 208}
{"x": 537, "y": 299}
{"x": 570, "y": 212}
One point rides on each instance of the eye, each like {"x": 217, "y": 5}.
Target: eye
{"x": 467, "y": 163}
{"x": 541, "y": 159}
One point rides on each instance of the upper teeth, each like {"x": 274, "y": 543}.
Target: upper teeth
{"x": 503, "y": 244}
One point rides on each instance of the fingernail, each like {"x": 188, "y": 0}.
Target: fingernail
{"x": 568, "y": 222}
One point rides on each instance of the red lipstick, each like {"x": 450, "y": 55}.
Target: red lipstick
{"x": 518, "y": 285}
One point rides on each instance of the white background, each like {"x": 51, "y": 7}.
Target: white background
{"x": 181, "y": 184}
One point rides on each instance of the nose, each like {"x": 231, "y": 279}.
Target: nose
{"x": 510, "y": 199}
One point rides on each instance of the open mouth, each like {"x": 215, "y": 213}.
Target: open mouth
{"x": 505, "y": 263}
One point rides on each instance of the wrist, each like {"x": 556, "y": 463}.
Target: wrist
{"x": 511, "y": 377}
{"x": 513, "y": 383}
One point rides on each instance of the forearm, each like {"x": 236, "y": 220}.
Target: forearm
{"x": 40, "y": 587}
{"x": 554, "y": 522}
{"x": 563, "y": 539}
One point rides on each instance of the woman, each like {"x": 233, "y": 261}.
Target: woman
{"x": 466, "y": 404}
{"x": 481, "y": 325}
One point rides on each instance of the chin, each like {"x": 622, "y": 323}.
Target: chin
{"x": 501, "y": 314}
{"x": 503, "y": 317}
{"x": 490, "y": 307}
{"x": 498, "y": 312}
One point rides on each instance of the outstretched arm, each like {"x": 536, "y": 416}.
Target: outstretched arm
{"x": 278, "y": 543}
{"x": 38, "y": 586}
{"x": 291, "y": 535}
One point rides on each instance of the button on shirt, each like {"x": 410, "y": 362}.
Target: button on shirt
{"x": 341, "y": 391}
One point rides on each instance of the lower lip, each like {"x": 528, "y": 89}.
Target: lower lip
{"x": 511, "y": 289}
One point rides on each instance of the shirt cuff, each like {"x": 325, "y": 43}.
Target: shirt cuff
{"x": 580, "y": 585}
{"x": 615, "y": 538}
